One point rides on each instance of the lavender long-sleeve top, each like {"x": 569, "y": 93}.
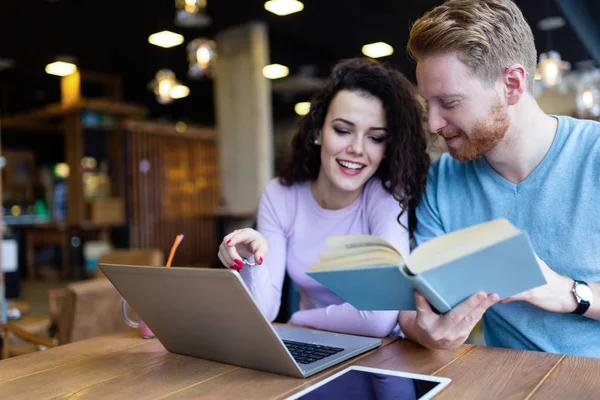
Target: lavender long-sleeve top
{"x": 295, "y": 227}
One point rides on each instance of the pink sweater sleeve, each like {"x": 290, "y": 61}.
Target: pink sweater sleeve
{"x": 265, "y": 282}
{"x": 382, "y": 213}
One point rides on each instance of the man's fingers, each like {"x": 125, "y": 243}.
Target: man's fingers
{"x": 467, "y": 306}
{"x": 491, "y": 300}
{"x": 421, "y": 304}
{"x": 425, "y": 315}
{"x": 476, "y": 314}
{"x": 454, "y": 318}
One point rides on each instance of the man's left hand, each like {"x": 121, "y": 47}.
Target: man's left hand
{"x": 556, "y": 295}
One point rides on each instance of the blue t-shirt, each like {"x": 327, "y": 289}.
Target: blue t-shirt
{"x": 558, "y": 205}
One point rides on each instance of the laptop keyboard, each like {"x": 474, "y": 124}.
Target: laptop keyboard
{"x": 307, "y": 353}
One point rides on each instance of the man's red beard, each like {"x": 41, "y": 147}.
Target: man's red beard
{"x": 486, "y": 135}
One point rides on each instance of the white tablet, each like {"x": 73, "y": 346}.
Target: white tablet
{"x": 373, "y": 383}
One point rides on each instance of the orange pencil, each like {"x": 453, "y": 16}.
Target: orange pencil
{"x": 178, "y": 240}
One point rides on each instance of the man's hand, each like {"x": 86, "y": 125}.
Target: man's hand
{"x": 446, "y": 331}
{"x": 556, "y": 295}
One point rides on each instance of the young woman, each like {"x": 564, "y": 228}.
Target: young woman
{"x": 358, "y": 166}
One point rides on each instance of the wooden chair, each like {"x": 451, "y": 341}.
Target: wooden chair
{"x": 83, "y": 309}
{"x": 151, "y": 257}
{"x": 89, "y": 308}
{"x": 31, "y": 342}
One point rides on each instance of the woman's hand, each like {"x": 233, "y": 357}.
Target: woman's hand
{"x": 242, "y": 243}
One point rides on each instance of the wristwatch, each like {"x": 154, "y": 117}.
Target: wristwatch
{"x": 583, "y": 296}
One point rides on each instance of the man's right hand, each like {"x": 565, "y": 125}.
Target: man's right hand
{"x": 447, "y": 331}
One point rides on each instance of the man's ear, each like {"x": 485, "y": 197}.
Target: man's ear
{"x": 515, "y": 81}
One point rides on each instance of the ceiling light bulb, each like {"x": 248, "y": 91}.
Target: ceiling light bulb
{"x": 275, "y": 71}
{"x": 587, "y": 98}
{"x": 163, "y": 84}
{"x": 164, "y": 87}
{"x": 201, "y": 57}
{"x": 192, "y": 6}
{"x": 302, "y": 108}
{"x": 284, "y": 7}
{"x": 191, "y": 14}
{"x": 179, "y": 91}
{"x": 60, "y": 68}
{"x": 165, "y": 39}
{"x": 551, "y": 68}
{"x": 378, "y": 49}
{"x": 550, "y": 73}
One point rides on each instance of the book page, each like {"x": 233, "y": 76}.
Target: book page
{"x": 359, "y": 260}
{"x": 455, "y": 245}
{"x": 355, "y": 241}
{"x": 334, "y": 254}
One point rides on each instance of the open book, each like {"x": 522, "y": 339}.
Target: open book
{"x": 370, "y": 274}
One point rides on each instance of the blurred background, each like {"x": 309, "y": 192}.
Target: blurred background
{"x": 124, "y": 124}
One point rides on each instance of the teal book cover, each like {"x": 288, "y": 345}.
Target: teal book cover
{"x": 503, "y": 263}
{"x": 380, "y": 287}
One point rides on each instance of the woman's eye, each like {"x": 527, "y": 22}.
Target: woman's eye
{"x": 377, "y": 139}
{"x": 340, "y": 131}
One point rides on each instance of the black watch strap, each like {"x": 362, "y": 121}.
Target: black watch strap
{"x": 582, "y": 305}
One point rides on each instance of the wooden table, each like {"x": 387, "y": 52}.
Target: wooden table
{"x": 128, "y": 367}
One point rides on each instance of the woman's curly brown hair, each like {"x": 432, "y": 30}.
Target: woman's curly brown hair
{"x": 403, "y": 170}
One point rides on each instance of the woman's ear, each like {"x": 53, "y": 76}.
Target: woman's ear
{"x": 317, "y": 140}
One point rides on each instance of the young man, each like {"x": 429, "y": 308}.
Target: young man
{"x": 476, "y": 63}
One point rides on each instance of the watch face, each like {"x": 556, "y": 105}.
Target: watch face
{"x": 583, "y": 292}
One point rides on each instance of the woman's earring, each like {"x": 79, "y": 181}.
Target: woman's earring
{"x": 317, "y": 142}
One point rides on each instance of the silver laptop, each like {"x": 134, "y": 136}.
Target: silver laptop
{"x": 210, "y": 314}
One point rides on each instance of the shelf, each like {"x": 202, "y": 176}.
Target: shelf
{"x": 37, "y": 119}
{"x": 61, "y": 226}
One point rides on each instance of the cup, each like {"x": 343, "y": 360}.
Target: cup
{"x": 144, "y": 330}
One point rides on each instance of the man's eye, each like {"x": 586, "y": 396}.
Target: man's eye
{"x": 448, "y": 104}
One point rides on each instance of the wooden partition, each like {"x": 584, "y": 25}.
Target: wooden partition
{"x": 173, "y": 188}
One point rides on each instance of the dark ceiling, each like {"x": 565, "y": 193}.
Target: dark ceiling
{"x": 110, "y": 36}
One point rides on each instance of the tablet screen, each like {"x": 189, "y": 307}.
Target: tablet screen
{"x": 371, "y": 384}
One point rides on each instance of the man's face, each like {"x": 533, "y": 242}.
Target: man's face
{"x": 468, "y": 113}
